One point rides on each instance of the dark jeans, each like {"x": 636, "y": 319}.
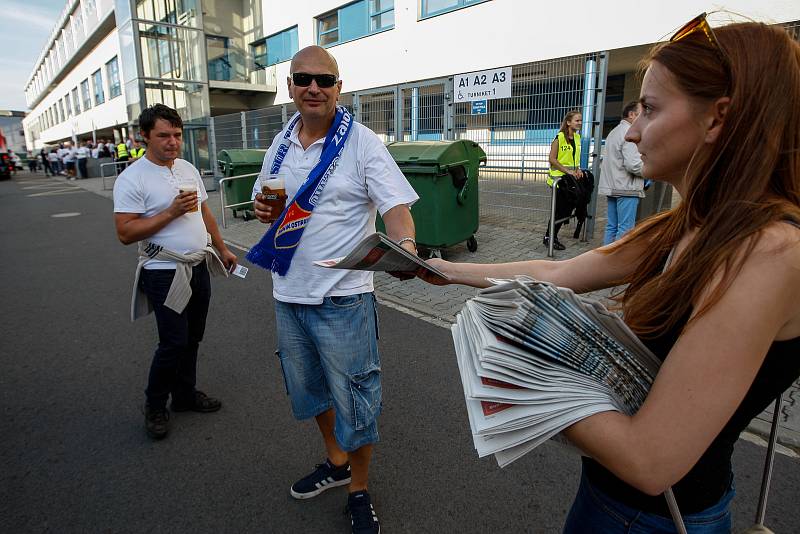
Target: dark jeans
{"x": 174, "y": 367}
{"x": 82, "y": 168}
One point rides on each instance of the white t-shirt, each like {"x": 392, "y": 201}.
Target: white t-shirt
{"x": 52, "y": 156}
{"x": 82, "y": 152}
{"x": 366, "y": 180}
{"x": 70, "y": 154}
{"x": 62, "y": 152}
{"x": 149, "y": 189}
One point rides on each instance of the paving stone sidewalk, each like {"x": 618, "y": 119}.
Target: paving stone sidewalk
{"x": 498, "y": 241}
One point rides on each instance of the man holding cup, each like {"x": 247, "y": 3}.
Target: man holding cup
{"x": 160, "y": 202}
{"x": 337, "y": 174}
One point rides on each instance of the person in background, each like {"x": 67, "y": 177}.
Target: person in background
{"x": 175, "y": 230}
{"x": 62, "y": 152}
{"x": 70, "y": 157}
{"x": 138, "y": 149}
{"x": 565, "y": 157}
{"x": 33, "y": 162}
{"x": 81, "y": 156}
{"x": 621, "y": 177}
{"x": 45, "y": 162}
{"x": 55, "y": 162}
{"x": 712, "y": 286}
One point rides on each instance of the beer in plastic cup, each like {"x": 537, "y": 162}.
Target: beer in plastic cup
{"x": 274, "y": 193}
{"x": 187, "y": 187}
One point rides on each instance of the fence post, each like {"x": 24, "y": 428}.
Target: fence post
{"x": 244, "y": 128}
{"x": 414, "y": 113}
{"x": 600, "y": 107}
{"x": 212, "y": 147}
{"x": 449, "y": 119}
{"x": 552, "y": 224}
{"x": 399, "y": 135}
{"x": 356, "y": 107}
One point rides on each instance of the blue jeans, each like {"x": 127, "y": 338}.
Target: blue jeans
{"x": 594, "y": 511}
{"x": 329, "y": 357}
{"x": 174, "y": 366}
{"x": 621, "y": 217}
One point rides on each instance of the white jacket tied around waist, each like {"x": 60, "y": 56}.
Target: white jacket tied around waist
{"x": 621, "y": 172}
{"x": 180, "y": 291}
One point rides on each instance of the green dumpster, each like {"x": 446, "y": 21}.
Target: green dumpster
{"x": 445, "y": 176}
{"x": 238, "y": 163}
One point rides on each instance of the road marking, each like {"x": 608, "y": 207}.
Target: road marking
{"x": 66, "y": 214}
{"x": 43, "y": 186}
{"x": 758, "y": 440}
{"x": 64, "y": 191}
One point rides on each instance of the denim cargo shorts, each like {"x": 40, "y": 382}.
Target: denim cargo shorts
{"x": 329, "y": 357}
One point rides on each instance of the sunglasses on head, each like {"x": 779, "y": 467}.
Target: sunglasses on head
{"x": 303, "y": 79}
{"x": 700, "y": 24}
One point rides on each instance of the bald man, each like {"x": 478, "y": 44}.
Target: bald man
{"x": 338, "y": 175}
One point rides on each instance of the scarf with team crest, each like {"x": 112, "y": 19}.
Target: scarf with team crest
{"x": 276, "y": 249}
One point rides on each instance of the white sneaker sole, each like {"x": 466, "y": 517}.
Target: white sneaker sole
{"x": 319, "y": 490}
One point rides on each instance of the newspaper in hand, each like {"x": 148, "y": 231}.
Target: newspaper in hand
{"x": 535, "y": 358}
{"x": 377, "y": 252}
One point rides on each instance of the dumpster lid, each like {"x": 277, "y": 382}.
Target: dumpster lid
{"x": 441, "y": 153}
{"x": 249, "y": 155}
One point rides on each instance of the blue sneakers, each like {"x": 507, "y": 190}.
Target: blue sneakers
{"x": 325, "y": 476}
{"x": 363, "y": 518}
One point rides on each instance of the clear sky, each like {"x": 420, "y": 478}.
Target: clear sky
{"x": 26, "y": 27}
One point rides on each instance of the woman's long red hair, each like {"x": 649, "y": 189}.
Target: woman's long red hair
{"x": 747, "y": 180}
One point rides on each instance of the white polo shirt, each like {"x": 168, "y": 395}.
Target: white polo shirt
{"x": 366, "y": 181}
{"x": 149, "y": 189}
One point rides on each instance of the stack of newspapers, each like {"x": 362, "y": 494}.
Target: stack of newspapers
{"x": 535, "y": 358}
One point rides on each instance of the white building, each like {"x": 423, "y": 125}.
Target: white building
{"x": 106, "y": 59}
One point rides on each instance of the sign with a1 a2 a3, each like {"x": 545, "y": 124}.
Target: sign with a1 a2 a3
{"x": 482, "y": 85}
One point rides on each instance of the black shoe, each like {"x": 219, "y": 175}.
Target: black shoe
{"x": 325, "y": 476}
{"x": 156, "y": 422}
{"x": 363, "y": 518}
{"x": 557, "y": 245}
{"x": 200, "y": 402}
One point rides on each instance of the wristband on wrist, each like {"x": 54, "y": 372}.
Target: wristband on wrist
{"x": 401, "y": 241}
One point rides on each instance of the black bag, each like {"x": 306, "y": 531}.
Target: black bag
{"x": 567, "y": 193}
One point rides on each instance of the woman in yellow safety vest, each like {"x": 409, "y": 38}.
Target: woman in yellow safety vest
{"x": 122, "y": 152}
{"x": 565, "y": 157}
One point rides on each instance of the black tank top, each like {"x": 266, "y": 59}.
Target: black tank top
{"x": 710, "y": 478}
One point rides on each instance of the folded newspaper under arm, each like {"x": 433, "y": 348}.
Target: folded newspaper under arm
{"x": 535, "y": 358}
{"x": 377, "y": 252}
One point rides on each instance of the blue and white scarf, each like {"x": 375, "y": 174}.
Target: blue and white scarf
{"x": 276, "y": 249}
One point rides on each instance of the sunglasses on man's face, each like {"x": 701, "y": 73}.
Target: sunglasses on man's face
{"x": 303, "y": 79}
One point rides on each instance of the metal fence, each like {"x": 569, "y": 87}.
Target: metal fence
{"x": 514, "y": 132}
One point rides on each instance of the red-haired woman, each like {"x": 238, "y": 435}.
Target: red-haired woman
{"x": 713, "y": 286}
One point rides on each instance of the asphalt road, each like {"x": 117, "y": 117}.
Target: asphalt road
{"x": 75, "y": 457}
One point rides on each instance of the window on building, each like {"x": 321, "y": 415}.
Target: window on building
{"x": 112, "y": 73}
{"x": 97, "y": 81}
{"x": 86, "y": 95}
{"x": 60, "y": 108}
{"x": 275, "y": 48}
{"x": 431, "y": 8}
{"x": 76, "y": 104}
{"x": 68, "y": 105}
{"x": 355, "y": 20}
